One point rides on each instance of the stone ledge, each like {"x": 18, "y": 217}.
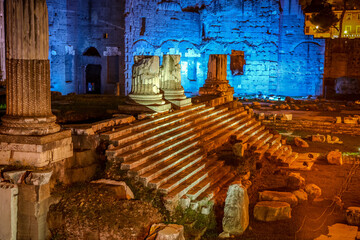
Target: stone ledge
{"x": 35, "y": 139}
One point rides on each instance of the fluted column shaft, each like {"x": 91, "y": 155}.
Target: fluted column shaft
{"x": 28, "y": 70}
{"x": 216, "y": 82}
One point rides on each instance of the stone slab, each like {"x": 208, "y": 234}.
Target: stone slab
{"x": 340, "y": 231}
{"x": 35, "y": 139}
{"x": 8, "y": 211}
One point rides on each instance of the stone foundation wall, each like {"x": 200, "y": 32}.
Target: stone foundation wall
{"x": 279, "y": 57}
{"x": 74, "y": 27}
{"x": 321, "y": 127}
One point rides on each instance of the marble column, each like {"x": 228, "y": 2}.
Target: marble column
{"x": 145, "y": 88}
{"x": 216, "y": 82}
{"x": 28, "y": 70}
{"x": 170, "y": 81}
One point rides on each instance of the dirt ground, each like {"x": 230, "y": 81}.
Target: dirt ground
{"x": 330, "y": 178}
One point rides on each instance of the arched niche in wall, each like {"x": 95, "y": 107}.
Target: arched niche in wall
{"x": 142, "y": 47}
{"x": 91, "y": 68}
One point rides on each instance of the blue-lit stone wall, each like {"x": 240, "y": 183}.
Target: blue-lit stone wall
{"x": 74, "y": 27}
{"x": 280, "y": 59}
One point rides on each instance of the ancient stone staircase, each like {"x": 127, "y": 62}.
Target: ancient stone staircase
{"x": 170, "y": 152}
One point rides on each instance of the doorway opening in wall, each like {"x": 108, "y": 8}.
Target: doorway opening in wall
{"x": 93, "y": 78}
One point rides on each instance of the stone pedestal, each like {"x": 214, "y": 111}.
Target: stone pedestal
{"x": 36, "y": 151}
{"x": 216, "y": 82}
{"x": 145, "y": 89}
{"x": 170, "y": 81}
{"x": 8, "y": 210}
{"x": 33, "y": 207}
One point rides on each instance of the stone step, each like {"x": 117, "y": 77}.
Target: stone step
{"x": 205, "y": 184}
{"x": 184, "y": 177}
{"x": 251, "y": 125}
{"x": 261, "y": 134}
{"x": 195, "y": 131}
{"x": 237, "y": 118}
{"x": 272, "y": 150}
{"x": 190, "y": 181}
{"x": 216, "y": 187}
{"x": 261, "y": 151}
{"x": 251, "y": 133}
{"x": 287, "y": 161}
{"x": 275, "y": 139}
{"x": 281, "y": 160}
{"x": 151, "y": 132}
{"x": 166, "y": 135}
{"x": 175, "y": 147}
{"x": 178, "y": 115}
{"x": 262, "y": 141}
{"x": 154, "y": 167}
{"x": 171, "y": 172}
{"x": 283, "y": 149}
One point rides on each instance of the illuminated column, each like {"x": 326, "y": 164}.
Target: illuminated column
{"x": 170, "y": 81}
{"x": 216, "y": 82}
{"x": 145, "y": 89}
{"x": 28, "y": 70}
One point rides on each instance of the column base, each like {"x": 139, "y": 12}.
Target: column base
{"x": 146, "y": 99}
{"x": 177, "y": 98}
{"x": 36, "y": 151}
{"x": 13, "y": 125}
{"x": 216, "y": 88}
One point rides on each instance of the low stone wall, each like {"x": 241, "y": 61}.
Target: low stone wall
{"x": 321, "y": 127}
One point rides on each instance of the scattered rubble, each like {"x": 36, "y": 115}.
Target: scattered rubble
{"x": 162, "y": 231}
{"x": 353, "y": 216}
{"x": 287, "y": 197}
{"x": 313, "y": 191}
{"x": 119, "y": 188}
{"x": 335, "y": 157}
{"x": 318, "y": 138}
{"x": 295, "y": 181}
{"x": 270, "y": 211}
{"x": 301, "y": 142}
{"x": 301, "y": 195}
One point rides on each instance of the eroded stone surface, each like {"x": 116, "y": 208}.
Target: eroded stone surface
{"x": 236, "y": 211}
{"x": 301, "y": 142}
{"x": 279, "y": 197}
{"x": 301, "y": 195}
{"x": 313, "y": 191}
{"x": 353, "y": 216}
{"x": 269, "y": 211}
{"x": 335, "y": 157}
{"x": 295, "y": 181}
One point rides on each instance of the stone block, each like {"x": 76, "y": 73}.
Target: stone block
{"x": 15, "y": 177}
{"x": 313, "y": 191}
{"x": 236, "y": 211}
{"x": 120, "y": 189}
{"x": 353, "y": 216}
{"x": 34, "y": 193}
{"x": 335, "y": 157}
{"x": 62, "y": 152}
{"x": 301, "y": 143}
{"x": 270, "y": 211}
{"x": 279, "y": 197}
{"x": 31, "y": 227}
{"x": 301, "y": 195}
{"x": 9, "y": 211}
{"x": 41, "y": 177}
{"x": 318, "y": 138}
{"x": 80, "y": 174}
{"x": 35, "y": 209}
{"x": 295, "y": 181}
{"x": 85, "y": 158}
{"x": 5, "y": 157}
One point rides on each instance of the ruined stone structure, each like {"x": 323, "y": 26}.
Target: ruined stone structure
{"x": 87, "y": 46}
{"x": 28, "y": 109}
{"x": 170, "y": 81}
{"x": 342, "y": 67}
{"x": 145, "y": 81}
{"x": 216, "y": 82}
{"x": 280, "y": 59}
